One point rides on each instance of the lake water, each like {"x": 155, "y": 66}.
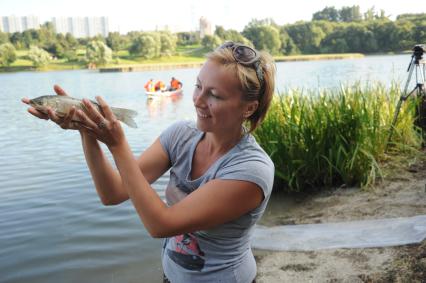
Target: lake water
{"x": 53, "y": 227}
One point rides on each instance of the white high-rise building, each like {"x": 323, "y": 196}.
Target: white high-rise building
{"x": 82, "y": 27}
{"x": 30, "y": 22}
{"x": 61, "y": 25}
{"x": 13, "y": 24}
{"x": 205, "y": 27}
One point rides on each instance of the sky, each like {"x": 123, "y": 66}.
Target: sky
{"x": 183, "y": 15}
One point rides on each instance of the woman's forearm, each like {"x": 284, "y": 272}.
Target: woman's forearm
{"x": 149, "y": 206}
{"x": 107, "y": 180}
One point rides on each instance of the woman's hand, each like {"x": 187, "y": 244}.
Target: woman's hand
{"x": 64, "y": 122}
{"x": 103, "y": 126}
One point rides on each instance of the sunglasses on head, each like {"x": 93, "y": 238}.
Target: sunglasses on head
{"x": 247, "y": 56}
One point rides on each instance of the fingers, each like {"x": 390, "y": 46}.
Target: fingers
{"x": 67, "y": 122}
{"x": 59, "y": 90}
{"x": 52, "y": 116}
{"x": 93, "y": 112}
{"x": 105, "y": 109}
{"x": 38, "y": 114}
{"x": 86, "y": 121}
{"x": 25, "y": 100}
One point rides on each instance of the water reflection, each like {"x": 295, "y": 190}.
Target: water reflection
{"x": 158, "y": 105}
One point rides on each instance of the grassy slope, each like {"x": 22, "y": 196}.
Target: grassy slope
{"x": 187, "y": 54}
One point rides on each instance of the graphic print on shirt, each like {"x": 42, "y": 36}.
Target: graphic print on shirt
{"x": 187, "y": 252}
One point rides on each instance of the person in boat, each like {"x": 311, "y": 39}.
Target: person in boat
{"x": 160, "y": 86}
{"x": 174, "y": 84}
{"x": 149, "y": 85}
{"x": 220, "y": 179}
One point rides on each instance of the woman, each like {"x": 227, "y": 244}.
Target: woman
{"x": 220, "y": 178}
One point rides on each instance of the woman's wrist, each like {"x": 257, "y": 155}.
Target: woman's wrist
{"x": 118, "y": 148}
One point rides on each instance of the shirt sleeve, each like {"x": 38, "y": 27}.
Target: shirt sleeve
{"x": 257, "y": 169}
{"x": 171, "y": 137}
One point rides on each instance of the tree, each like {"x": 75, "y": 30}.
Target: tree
{"x": 38, "y": 56}
{"x": 328, "y": 13}
{"x": 168, "y": 43}
{"x": 115, "y": 41}
{"x": 231, "y": 35}
{"x": 211, "y": 42}
{"x": 350, "y": 14}
{"x": 188, "y": 38}
{"x": 307, "y": 36}
{"x": 7, "y": 54}
{"x": 71, "y": 41}
{"x": 264, "y": 37}
{"x": 147, "y": 45}
{"x": 420, "y": 32}
{"x": 15, "y": 39}
{"x": 46, "y": 34}
{"x": 370, "y": 14}
{"x": 4, "y": 37}
{"x": 288, "y": 47}
{"x": 98, "y": 53}
{"x": 220, "y": 32}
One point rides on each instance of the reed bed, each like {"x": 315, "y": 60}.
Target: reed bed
{"x": 327, "y": 138}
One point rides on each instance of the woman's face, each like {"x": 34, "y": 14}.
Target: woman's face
{"x": 218, "y": 100}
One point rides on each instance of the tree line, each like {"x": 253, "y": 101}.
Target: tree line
{"x": 331, "y": 30}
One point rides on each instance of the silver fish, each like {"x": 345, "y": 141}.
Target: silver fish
{"x": 63, "y": 104}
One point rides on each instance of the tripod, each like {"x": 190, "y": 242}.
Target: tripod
{"x": 419, "y": 90}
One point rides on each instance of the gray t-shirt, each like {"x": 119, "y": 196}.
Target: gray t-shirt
{"x": 222, "y": 253}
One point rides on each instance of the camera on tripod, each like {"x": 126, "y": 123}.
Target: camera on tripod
{"x": 417, "y": 66}
{"x": 418, "y": 51}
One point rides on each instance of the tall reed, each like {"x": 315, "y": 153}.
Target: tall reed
{"x": 335, "y": 136}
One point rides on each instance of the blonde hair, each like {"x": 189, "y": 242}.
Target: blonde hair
{"x": 249, "y": 83}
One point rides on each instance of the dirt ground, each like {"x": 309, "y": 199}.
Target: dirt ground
{"x": 402, "y": 193}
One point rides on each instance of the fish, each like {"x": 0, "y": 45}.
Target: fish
{"x": 63, "y": 104}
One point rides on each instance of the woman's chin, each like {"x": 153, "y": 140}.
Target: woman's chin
{"x": 201, "y": 125}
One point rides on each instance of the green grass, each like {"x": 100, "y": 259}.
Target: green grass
{"x": 335, "y": 137}
{"x": 184, "y": 54}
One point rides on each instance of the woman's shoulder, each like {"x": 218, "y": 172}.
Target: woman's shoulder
{"x": 249, "y": 149}
{"x": 182, "y": 127}
{"x": 178, "y": 133}
{"x": 185, "y": 128}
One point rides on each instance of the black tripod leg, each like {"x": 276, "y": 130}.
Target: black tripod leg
{"x": 395, "y": 116}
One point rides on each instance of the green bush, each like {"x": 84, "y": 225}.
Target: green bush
{"x": 7, "y": 54}
{"x": 39, "y": 57}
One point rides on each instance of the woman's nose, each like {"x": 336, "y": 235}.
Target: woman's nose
{"x": 198, "y": 98}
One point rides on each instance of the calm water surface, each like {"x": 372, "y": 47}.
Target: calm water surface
{"x": 53, "y": 227}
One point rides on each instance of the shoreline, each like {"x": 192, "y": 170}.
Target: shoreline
{"x": 170, "y": 66}
{"x": 402, "y": 193}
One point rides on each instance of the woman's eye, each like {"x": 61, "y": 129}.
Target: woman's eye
{"x": 197, "y": 86}
{"x": 214, "y": 95}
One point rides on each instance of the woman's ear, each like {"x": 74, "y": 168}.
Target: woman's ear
{"x": 251, "y": 107}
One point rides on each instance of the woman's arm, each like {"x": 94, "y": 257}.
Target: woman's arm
{"x": 106, "y": 179}
{"x": 153, "y": 161}
{"x": 216, "y": 202}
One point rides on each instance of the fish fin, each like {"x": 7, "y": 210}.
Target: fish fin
{"x": 126, "y": 116}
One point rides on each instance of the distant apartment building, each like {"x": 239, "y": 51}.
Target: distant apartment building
{"x": 82, "y": 26}
{"x": 205, "y": 27}
{"x": 13, "y": 24}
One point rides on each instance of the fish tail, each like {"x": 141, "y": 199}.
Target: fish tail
{"x": 126, "y": 116}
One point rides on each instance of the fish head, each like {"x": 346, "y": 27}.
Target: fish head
{"x": 40, "y": 103}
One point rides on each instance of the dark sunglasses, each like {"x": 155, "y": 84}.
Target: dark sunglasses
{"x": 247, "y": 56}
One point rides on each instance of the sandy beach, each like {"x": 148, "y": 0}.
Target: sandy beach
{"x": 402, "y": 193}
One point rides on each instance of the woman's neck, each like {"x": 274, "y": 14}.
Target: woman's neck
{"x": 219, "y": 144}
